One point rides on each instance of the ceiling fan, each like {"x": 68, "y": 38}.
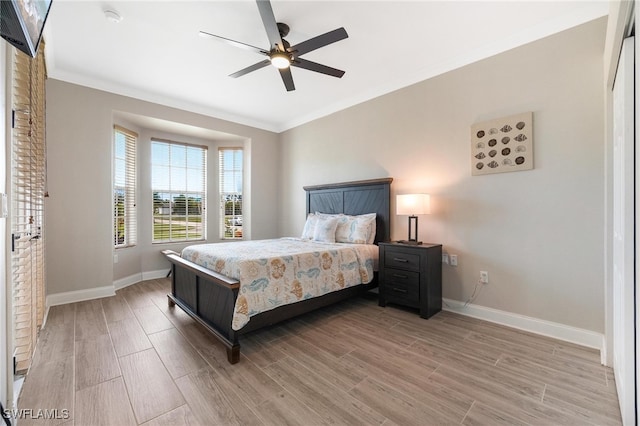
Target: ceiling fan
{"x": 280, "y": 53}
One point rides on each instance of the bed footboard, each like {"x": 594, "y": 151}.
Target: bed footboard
{"x": 207, "y": 297}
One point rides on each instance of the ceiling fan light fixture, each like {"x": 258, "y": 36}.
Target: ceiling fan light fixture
{"x": 280, "y": 60}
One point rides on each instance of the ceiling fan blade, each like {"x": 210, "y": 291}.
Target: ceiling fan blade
{"x": 319, "y": 41}
{"x": 314, "y": 66}
{"x": 270, "y": 25}
{"x": 287, "y": 79}
{"x": 239, "y": 44}
{"x": 253, "y": 67}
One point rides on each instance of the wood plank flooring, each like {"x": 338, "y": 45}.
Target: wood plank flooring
{"x": 132, "y": 360}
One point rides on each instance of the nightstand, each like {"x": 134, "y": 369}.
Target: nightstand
{"x": 411, "y": 275}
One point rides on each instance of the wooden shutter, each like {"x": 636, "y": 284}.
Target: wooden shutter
{"x": 28, "y": 186}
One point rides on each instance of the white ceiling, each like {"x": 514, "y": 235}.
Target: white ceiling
{"x": 156, "y": 54}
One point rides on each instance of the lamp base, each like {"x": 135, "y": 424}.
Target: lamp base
{"x": 413, "y": 240}
{"x": 410, "y": 242}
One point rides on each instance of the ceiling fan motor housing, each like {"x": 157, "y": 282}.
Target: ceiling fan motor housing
{"x": 283, "y": 29}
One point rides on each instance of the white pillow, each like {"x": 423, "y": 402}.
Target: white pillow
{"x": 356, "y": 229}
{"x": 325, "y": 230}
{"x": 309, "y": 227}
{"x": 359, "y": 229}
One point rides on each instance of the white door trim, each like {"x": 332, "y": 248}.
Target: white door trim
{"x": 624, "y": 234}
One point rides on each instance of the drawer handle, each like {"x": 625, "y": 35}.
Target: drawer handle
{"x": 399, "y": 259}
{"x": 399, "y": 290}
{"x": 404, "y": 277}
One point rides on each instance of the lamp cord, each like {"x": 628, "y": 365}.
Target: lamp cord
{"x": 471, "y": 298}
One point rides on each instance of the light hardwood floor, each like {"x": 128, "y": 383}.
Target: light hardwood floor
{"x": 130, "y": 359}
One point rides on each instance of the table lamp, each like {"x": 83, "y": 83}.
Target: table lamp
{"x": 413, "y": 205}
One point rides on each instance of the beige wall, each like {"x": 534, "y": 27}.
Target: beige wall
{"x": 539, "y": 233}
{"x": 78, "y": 211}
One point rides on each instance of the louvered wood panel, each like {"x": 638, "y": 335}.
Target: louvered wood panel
{"x": 28, "y": 186}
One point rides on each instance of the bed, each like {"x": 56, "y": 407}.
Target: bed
{"x": 210, "y": 297}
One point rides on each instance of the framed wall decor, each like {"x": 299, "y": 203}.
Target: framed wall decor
{"x": 502, "y": 145}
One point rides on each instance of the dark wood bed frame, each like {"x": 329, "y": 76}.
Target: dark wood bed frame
{"x": 209, "y": 297}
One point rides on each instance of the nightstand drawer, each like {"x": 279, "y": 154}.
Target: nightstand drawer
{"x": 398, "y": 259}
{"x": 402, "y": 286}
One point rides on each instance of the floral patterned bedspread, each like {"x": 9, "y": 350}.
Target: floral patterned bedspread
{"x": 282, "y": 271}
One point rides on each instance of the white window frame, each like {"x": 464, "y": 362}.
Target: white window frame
{"x": 170, "y": 181}
{"x": 231, "y": 176}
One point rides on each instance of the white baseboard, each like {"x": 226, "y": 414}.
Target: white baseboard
{"x": 136, "y": 278}
{"x": 106, "y": 291}
{"x": 559, "y": 331}
{"x": 79, "y": 295}
{"x": 154, "y": 275}
{"x": 127, "y": 281}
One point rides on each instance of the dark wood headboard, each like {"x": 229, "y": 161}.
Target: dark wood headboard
{"x": 354, "y": 198}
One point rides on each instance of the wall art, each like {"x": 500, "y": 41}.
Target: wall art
{"x": 502, "y": 145}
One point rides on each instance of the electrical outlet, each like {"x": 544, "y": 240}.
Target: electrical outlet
{"x": 445, "y": 258}
{"x": 453, "y": 259}
{"x": 484, "y": 277}
{"x": 115, "y": 258}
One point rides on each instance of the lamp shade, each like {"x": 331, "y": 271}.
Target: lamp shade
{"x": 413, "y": 204}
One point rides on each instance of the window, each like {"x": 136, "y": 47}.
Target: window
{"x": 179, "y": 184}
{"x": 124, "y": 187}
{"x": 230, "y": 193}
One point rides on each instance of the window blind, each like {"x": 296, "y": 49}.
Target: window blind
{"x": 28, "y": 183}
{"x": 124, "y": 187}
{"x": 179, "y": 185}
{"x": 231, "y": 219}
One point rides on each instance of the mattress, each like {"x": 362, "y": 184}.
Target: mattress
{"x": 282, "y": 271}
